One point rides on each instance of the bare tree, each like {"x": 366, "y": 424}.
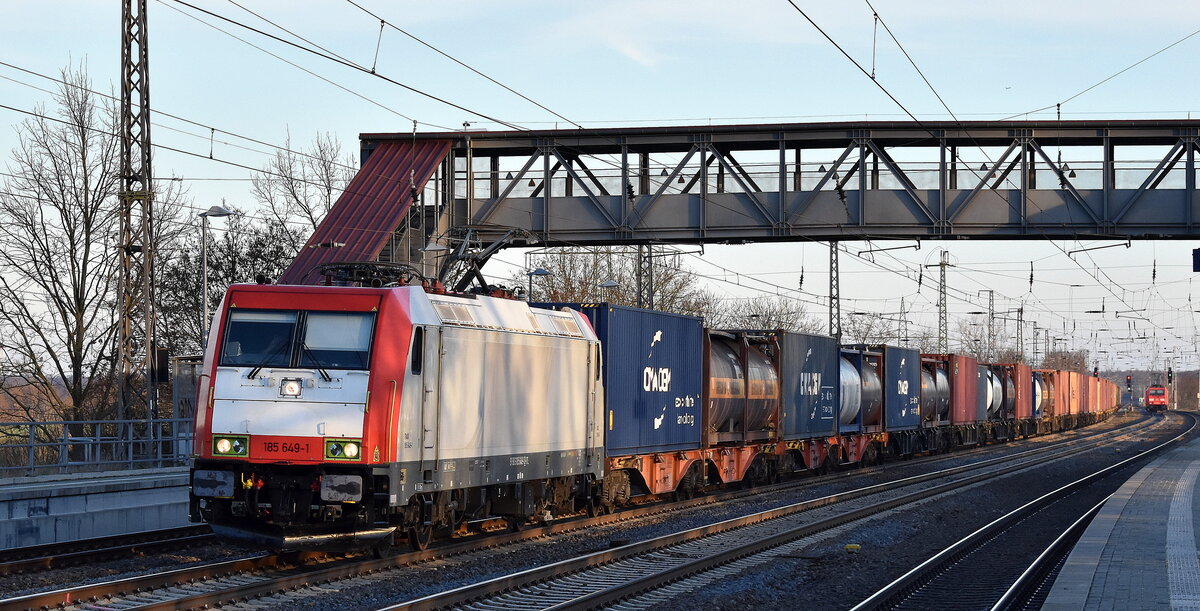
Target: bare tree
{"x": 973, "y": 338}
{"x": 303, "y": 185}
{"x": 244, "y": 248}
{"x": 609, "y": 275}
{"x": 924, "y": 341}
{"x": 767, "y": 312}
{"x": 58, "y": 260}
{"x": 576, "y": 275}
{"x": 1071, "y": 360}
{"x": 868, "y": 328}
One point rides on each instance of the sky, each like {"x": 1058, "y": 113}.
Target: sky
{"x": 631, "y": 63}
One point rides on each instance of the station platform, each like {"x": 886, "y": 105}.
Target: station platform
{"x": 67, "y": 507}
{"x": 1140, "y": 551}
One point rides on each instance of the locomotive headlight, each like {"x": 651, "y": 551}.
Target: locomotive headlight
{"x": 230, "y": 445}
{"x": 342, "y": 449}
{"x": 291, "y": 387}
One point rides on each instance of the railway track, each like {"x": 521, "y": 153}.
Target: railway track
{"x": 607, "y": 578}
{"x": 977, "y": 559}
{"x": 266, "y": 574}
{"x": 74, "y": 553}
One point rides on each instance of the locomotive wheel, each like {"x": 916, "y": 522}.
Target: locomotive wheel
{"x": 515, "y": 523}
{"x": 596, "y": 508}
{"x": 419, "y": 537}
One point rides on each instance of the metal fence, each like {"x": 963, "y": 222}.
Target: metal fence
{"x": 30, "y": 448}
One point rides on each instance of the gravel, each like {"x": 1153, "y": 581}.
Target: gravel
{"x": 50, "y": 579}
{"x": 822, "y": 565}
{"x": 823, "y": 575}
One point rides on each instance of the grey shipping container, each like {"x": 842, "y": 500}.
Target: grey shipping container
{"x": 985, "y": 384}
{"x": 862, "y": 393}
{"x": 652, "y": 377}
{"x": 901, "y": 373}
{"x": 809, "y": 377}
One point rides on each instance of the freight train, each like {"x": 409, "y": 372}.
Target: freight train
{"x": 332, "y": 415}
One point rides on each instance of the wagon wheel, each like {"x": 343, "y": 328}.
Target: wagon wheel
{"x": 870, "y": 456}
{"x": 420, "y": 536}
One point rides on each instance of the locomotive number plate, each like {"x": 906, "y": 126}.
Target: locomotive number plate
{"x": 285, "y": 448}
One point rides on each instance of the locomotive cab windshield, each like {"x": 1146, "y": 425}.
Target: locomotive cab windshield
{"x": 298, "y": 339}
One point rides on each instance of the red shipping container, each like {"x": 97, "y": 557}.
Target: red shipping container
{"x": 1022, "y": 379}
{"x": 1023, "y": 375}
{"x": 964, "y": 389}
{"x": 1052, "y": 400}
{"x": 963, "y": 375}
{"x": 1077, "y": 390}
{"x": 1094, "y": 398}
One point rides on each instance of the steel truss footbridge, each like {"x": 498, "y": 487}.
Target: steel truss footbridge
{"x": 780, "y": 182}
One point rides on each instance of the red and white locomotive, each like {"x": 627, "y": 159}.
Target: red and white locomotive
{"x": 332, "y": 413}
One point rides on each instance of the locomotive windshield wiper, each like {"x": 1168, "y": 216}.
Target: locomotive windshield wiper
{"x": 316, "y": 363}
{"x": 278, "y": 350}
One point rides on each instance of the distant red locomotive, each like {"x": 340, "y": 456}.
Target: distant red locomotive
{"x": 1157, "y": 398}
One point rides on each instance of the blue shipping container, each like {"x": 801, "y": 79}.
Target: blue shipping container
{"x": 809, "y": 377}
{"x": 652, "y": 377}
{"x": 901, "y": 386}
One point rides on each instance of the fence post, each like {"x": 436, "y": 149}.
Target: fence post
{"x": 32, "y": 449}
{"x": 64, "y": 448}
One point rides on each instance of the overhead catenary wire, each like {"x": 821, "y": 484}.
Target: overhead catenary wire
{"x": 301, "y": 68}
{"x": 912, "y": 116}
{"x": 1104, "y": 80}
{"x": 333, "y": 59}
{"x": 246, "y": 167}
{"x": 463, "y": 64}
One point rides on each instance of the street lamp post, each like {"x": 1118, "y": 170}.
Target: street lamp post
{"x": 215, "y": 212}
{"x": 608, "y": 286}
{"x": 537, "y": 272}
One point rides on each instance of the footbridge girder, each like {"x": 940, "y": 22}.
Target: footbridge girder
{"x": 779, "y": 182}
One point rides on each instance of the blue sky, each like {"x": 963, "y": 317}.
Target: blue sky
{"x": 646, "y": 62}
